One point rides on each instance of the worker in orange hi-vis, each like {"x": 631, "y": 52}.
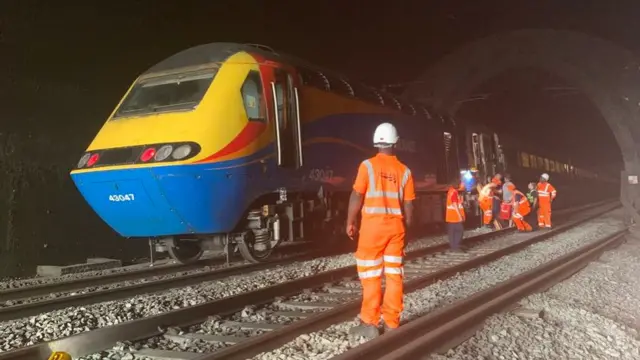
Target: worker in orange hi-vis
{"x": 454, "y": 216}
{"x": 546, "y": 195}
{"x": 384, "y": 190}
{"x": 521, "y": 208}
{"x": 485, "y": 200}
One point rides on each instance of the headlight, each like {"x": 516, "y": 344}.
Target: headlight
{"x": 181, "y": 152}
{"x": 83, "y": 160}
{"x": 163, "y": 153}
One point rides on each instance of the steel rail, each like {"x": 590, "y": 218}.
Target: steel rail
{"x": 92, "y": 281}
{"x": 159, "y": 270}
{"x": 165, "y": 269}
{"x": 100, "y": 339}
{"x": 274, "y": 339}
{"x": 88, "y": 298}
{"x": 427, "y": 334}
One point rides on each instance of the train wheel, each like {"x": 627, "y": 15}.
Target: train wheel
{"x": 253, "y": 251}
{"x": 185, "y": 252}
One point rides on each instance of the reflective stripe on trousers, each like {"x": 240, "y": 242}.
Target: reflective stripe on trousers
{"x": 373, "y": 268}
{"x": 369, "y": 268}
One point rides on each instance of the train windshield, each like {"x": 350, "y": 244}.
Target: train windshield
{"x": 175, "y": 92}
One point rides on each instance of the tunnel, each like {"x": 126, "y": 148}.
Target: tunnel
{"x": 606, "y": 73}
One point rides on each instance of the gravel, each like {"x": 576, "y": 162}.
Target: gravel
{"x": 593, "y": 315}
{"x": 65, "y": 322}
{"x": 40, "y": 281}
{"x": 6, "y": 284}
{"x": 335, "y": 339}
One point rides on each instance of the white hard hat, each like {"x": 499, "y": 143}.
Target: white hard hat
{"x": 385, "y": 135}
{"x": 545, "y": 176}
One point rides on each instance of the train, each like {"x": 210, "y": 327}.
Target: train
{"x": 242, "y": 149}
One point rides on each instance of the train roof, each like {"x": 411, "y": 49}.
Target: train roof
{"x": 218, "y": 52}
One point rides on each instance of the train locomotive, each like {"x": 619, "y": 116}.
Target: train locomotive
{"x": 236, "y": 147}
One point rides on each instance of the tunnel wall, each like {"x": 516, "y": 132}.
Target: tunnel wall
{"x": 43, "y": 218}
{"x": 608, "y": 74}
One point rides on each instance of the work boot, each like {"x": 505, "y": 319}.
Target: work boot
{"x": 367, "y": 331}
{"x": 387, "y": 329}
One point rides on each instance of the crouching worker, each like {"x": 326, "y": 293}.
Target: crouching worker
{"x": 521, "y": 208}
{"x": 455, "y": 216}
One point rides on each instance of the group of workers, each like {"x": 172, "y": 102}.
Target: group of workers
{"x": 501, "y": 201}
{"x": 384, "y": 192}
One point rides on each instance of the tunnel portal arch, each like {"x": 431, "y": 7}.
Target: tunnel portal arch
{"x": 607, "y": 73}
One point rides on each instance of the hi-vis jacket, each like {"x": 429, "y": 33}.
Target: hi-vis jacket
{"x": 546, "y": 192}
{"x": 455, "y": 209}
{"x": 386, "y": 184}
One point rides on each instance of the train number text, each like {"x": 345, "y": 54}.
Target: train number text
{"x": 320, "y": 175}
{"x": 122, "y": 197}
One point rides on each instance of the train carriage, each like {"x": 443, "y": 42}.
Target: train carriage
{"x": 234, "y": 146}
{"x": 239, "y": 148}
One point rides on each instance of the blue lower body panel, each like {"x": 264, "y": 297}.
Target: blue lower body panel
{"x": 166, "y": 200}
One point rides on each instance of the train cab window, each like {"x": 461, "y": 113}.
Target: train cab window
{"x": 175, "y": 92}
{"x": 252, "y": 97}
{"x": 314, "y": 79}
{"x": 366, "y": 94}
{"x": 340, "y": 86}
{"x": 533, "y": 162}
{"x": 524, "y": 159}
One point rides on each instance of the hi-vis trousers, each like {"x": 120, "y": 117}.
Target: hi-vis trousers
{"x": 381, "y": 249}
{"x": 544, "y": 214}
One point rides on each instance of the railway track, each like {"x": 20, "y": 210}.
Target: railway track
{"x": 441, "y": 329}
{"x": 301, "y": 313}
{"x": 36, "y": 286}
{"x": 29, "y": 301}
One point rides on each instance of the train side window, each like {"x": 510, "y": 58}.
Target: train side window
{"x": 524, "y": 159}
{"x": 314, "y": 79}
{"x": 340, "y": 86}
{"x": 546, "y": 164}
{"x": 540, "y": 163}
{"x": 252, "y": 97}
{"x": 366, "y": 94}
{"x": 532, "y": 161}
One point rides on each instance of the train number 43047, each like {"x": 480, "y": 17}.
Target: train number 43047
{"x": 122, "y": 197}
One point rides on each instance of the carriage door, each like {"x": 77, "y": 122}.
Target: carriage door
{"x": 287, "y": 119}
{"x": 488, "y": 153}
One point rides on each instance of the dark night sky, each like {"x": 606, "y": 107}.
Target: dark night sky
{"x": 72, "y": 61}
